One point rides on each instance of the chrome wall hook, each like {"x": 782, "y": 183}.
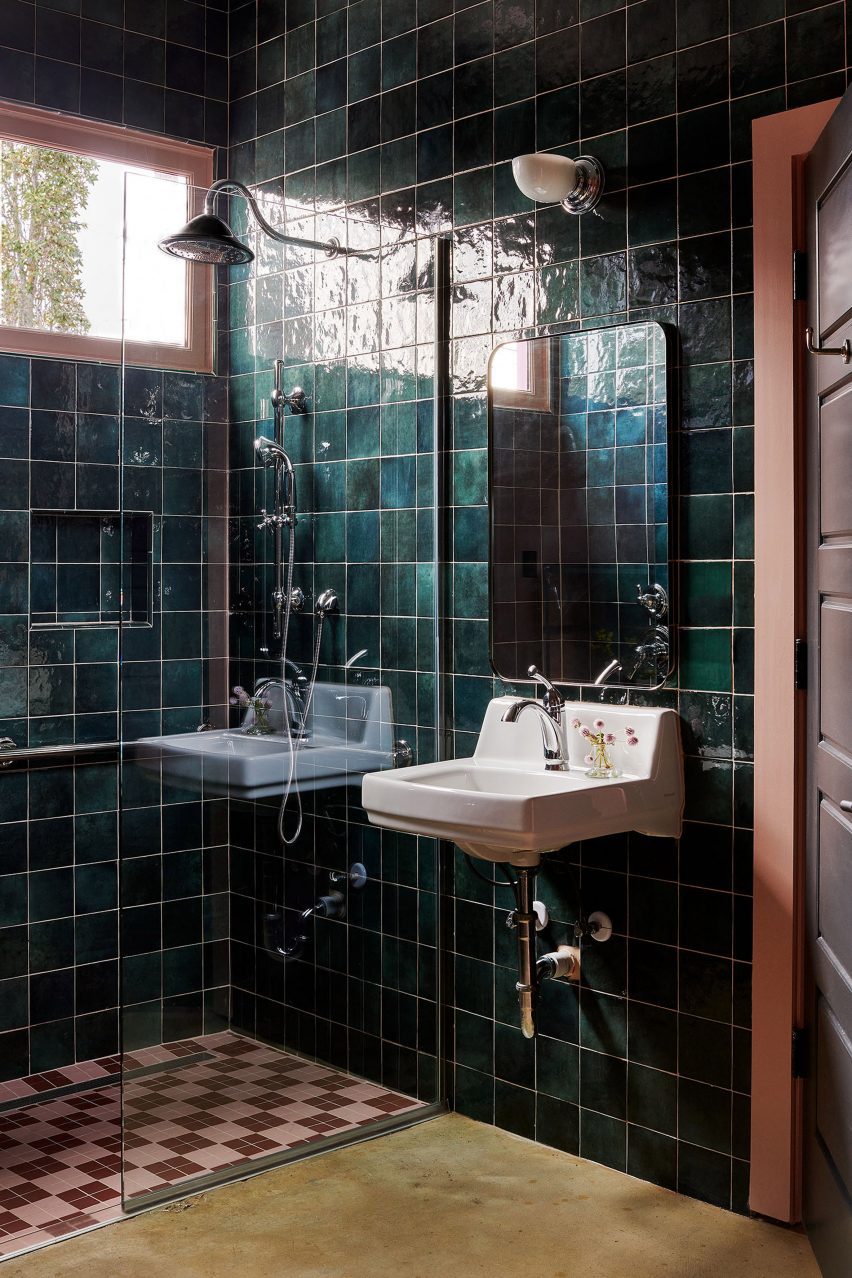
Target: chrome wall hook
{"x": 844, "y": 351}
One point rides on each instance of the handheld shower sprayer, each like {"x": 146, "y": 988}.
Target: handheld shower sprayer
{"x": 284, "y": 514}
{"x": 270, "y": 453}
{"x": 326, "y": 603}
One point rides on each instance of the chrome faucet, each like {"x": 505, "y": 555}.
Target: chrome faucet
{"x": 553, "y": 700}
{"x": 298, "y": 685}
{"x": 554, "y": 757}
{"x": 549, "y": 710}
{"x": 292, "y": 696}
{"x": 614, "y": 665}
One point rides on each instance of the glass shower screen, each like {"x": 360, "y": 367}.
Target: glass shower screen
{"x": 279, "y": 954}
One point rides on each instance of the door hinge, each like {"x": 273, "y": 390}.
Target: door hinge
{"x": 800, "y": 275}
{"x": 800, "y": 1053}
{"x": 800, "y": 665}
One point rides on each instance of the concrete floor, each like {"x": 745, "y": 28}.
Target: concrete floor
{"x": 447, "y": 1197}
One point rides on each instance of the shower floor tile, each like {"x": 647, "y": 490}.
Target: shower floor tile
{"x": 193, "y": 1107}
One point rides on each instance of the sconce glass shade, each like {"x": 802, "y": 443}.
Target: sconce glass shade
{"x": 550, "y": 179}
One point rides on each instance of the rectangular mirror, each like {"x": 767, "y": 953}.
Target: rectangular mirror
{"x": 580, "y": 496}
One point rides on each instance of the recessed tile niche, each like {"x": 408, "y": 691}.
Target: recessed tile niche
{"x": 90, "y": 568}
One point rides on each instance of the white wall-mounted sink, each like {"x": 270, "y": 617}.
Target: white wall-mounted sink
{"x": 502, "y": 805}
{"x": 350, "y": 732}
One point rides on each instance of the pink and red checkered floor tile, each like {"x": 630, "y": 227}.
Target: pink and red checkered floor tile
{"x": 60, "y": 1157}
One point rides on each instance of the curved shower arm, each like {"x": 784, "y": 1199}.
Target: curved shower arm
{"x": 331, "y": 248}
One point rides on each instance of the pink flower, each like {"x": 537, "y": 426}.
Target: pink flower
{"x": 575, "y": 723}
{"x": 584, "y": 732}
{"x": 599, "y": 723}
{"x": 632, "y": 741}
{"x": 631, "y": 732}
{"x": 590, "y": 758}
{"x": 610, "y": 738}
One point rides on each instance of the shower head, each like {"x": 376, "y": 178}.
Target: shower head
{"x": 207, "y": 238}
{"x": 271, "y": 453}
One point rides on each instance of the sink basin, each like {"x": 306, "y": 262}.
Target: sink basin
{"x": 350, "y": 731}
{"x": 501, "y": 805}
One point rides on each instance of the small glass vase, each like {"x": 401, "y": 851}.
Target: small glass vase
{"x": 260, "y": 725}
{"x": 603, "y": 768}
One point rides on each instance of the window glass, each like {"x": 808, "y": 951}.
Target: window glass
{"x": 62, "y": 218}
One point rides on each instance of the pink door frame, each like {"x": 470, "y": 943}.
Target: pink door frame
{"x": 779, "y": 144}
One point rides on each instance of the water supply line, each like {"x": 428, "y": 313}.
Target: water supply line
{"x": 332, "y": 906}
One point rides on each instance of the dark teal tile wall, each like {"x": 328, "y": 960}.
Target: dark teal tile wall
{"x": 59, "y": 928}
{"x": 156, "y": 65}
{"x": 160, "y": 67}
{"x": 406, "y": 115}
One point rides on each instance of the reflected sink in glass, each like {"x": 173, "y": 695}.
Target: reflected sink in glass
{"x": 502, "y": 805}
{"x": 350, "y": 731}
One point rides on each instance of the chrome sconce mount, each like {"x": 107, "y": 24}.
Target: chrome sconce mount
{"x": 548, "y": 178}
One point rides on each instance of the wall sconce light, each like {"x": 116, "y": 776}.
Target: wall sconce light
{"x": 547, "y": 178}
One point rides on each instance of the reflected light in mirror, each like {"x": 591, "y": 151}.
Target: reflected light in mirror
{"x": 510, "y": 367}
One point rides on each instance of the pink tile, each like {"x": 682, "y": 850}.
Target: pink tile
{"x": 60, "y": 1160}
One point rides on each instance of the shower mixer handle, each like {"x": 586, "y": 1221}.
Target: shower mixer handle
{"x": 296, "y": 400}
{"x": 285, "y": 520}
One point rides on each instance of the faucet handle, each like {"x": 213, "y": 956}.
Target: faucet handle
{"x": 553, "y": 698}
{"x": 654, "y": 599}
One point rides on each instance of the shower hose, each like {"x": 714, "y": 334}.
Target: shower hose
{"x": 294, "y": 743}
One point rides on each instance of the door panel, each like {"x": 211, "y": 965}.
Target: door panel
{"x": 828, "y": 1093}
{"x": 836, "y": 464}
{"x": 835, "y": 218}
{"x": 835, "y": 684}
{"x": 835, "y": 884}
{"x": 835, "y": 571}
{"x": 834, "y": 1091}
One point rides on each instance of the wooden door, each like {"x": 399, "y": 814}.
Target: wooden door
{"x": 828, "y": 1089}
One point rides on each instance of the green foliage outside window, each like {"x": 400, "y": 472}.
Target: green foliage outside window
{"x": 43, "y": 195}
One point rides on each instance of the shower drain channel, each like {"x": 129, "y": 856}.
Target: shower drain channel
{"x": 94, "y": 1084}
{"x": 167, "y": 1067}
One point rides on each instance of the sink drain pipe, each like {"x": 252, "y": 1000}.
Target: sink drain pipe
{"x": 562, "y": 963}
{"x": 527, "y": 985}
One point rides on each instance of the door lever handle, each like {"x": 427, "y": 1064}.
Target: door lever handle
{"x": 846, "y": 805}
{"x": 844, "y": 351}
